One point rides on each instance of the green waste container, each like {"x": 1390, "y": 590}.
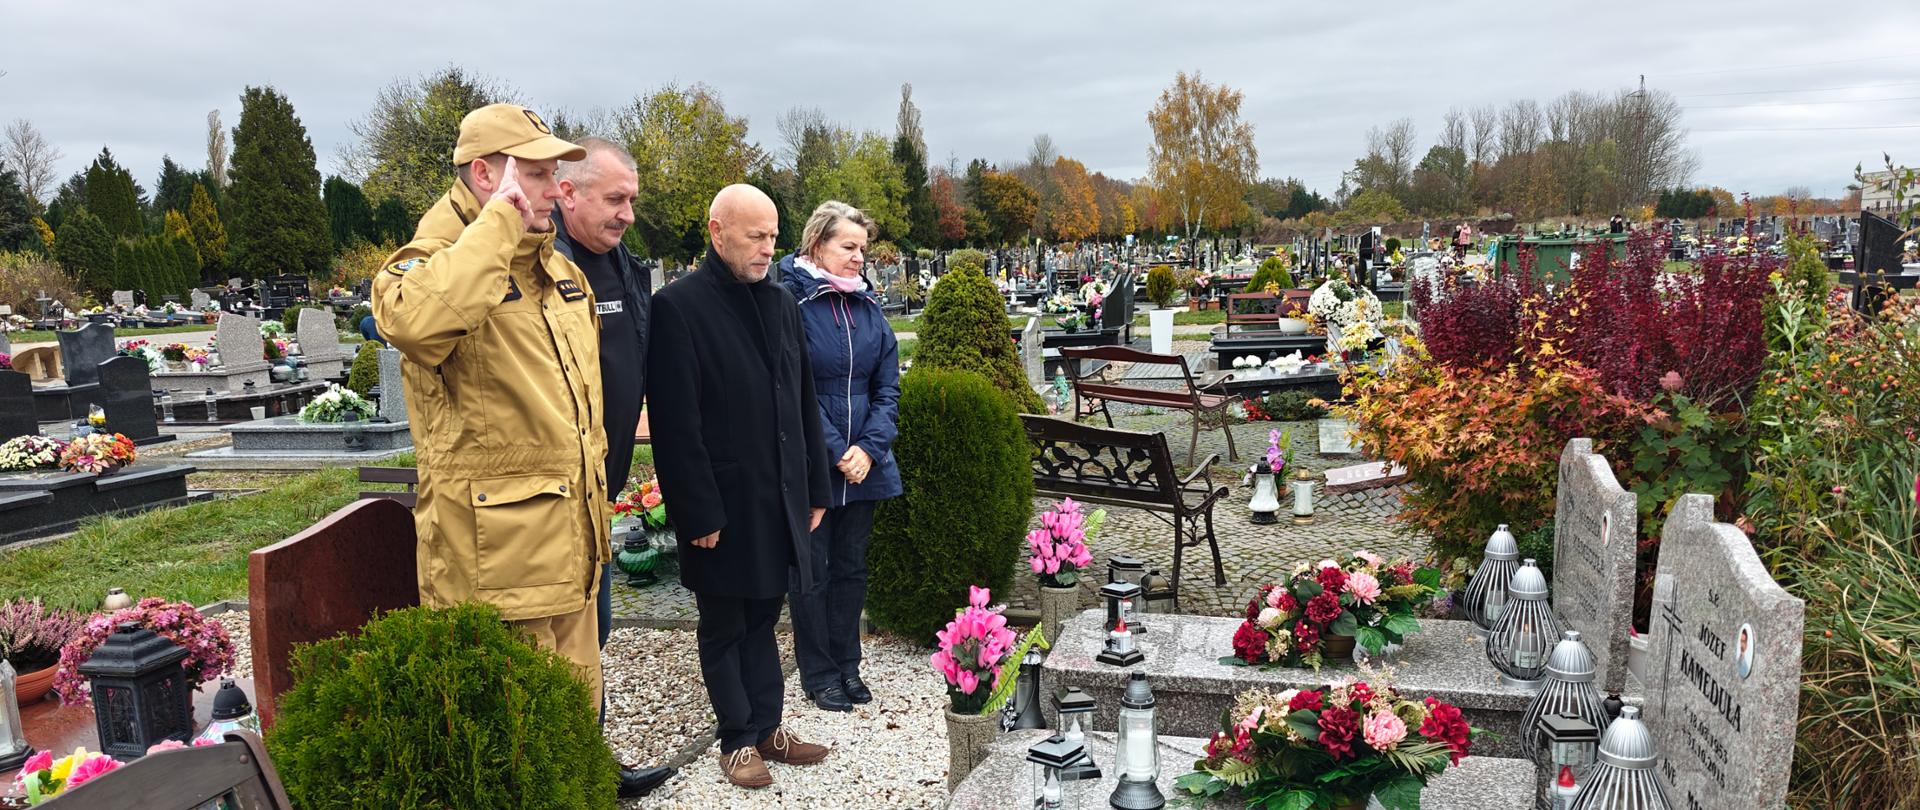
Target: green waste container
{"x": 1553, "y": 254}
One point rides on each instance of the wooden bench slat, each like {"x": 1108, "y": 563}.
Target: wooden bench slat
{"x": 389, "y": 475}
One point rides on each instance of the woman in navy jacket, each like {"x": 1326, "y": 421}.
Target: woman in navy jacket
{"x": 856, "y": 379}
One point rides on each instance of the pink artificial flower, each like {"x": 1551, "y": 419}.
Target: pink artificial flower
{"x": 1371, "y": 558}
{"x": 200, "y": 742}
{"x": 89, "y": 770}
{"x": 968, "y": 682}
{"x": 165, "y": 745}
{"x": 978, "y": 596}
{"x": 1068, "y": 506}
{"x": 1363, "y": 586}
{"x": 1274, "y": 596}
{"x": 1384, "y": 730}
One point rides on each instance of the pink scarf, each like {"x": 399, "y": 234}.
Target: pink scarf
{"x": 843, "y": 284}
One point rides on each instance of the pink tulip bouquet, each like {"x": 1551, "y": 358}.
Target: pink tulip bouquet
{"x": 972, "y": 649}
{"x": 1058, "y": 549}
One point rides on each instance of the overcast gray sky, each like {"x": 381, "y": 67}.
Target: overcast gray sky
{"x": 139, "y": 76}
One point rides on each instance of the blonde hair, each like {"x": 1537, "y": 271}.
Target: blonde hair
{"x": 828, "y": 217}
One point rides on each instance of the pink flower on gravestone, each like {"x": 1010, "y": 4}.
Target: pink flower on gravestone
{"x": 1363, "y": 586}
{"x": 1384, "y": 730}
{"x": 968, "y": 682}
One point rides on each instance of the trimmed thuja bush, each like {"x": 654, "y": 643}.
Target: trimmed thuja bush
{"x": 1160, "y": 285}
{"x": 439, "y": 708}
{"x": 1272, "y": 271}
{"x": 964, "y": 460}
{"x": 965, "y": 328}
{"x": 365, "y": 373}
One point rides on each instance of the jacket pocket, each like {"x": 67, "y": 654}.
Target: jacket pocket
{"x": 523, "y": 530}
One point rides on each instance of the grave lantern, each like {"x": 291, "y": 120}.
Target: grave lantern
{"x": 213, "y": 413}
{"x": 1121, "y": 650}
{"x": 1302, "y": 497}
{"x": 1049, "y": 757}
{"x": 1568, "y": 691}
{"x": 1074, "y": 705}
{"x": 141, "y": 694}
{"x": 1136, "y": 749}
{"x": 1265, "y": 503}
{"x": 1156, "y": 593}
{"x": 352, "y": 433}
{"x": 637, "y": 557}
{"x": 1123, "y": 601}
{"x": 13, "y": 739}
{"x": 1123, "y": 568}
{"x": 1517, "y": 646}
{"x": 1571, "y": 741}
{"x": 1024, "y": 710}
{"x": 1623, "y": 778}
{"x": 1486, "y": 592}
{"x": 231, "y": 712}
{"x": 166, "y": 405}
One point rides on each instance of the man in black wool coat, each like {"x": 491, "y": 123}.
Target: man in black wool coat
{"x": 743, "y": 467}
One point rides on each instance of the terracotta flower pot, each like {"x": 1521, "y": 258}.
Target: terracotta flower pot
{"x": 1056, "y": 606}
{"x": 967, "y": 738}
{"x": 34, "y": 685}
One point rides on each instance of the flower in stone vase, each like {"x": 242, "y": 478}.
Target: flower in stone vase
{"x": 972, "y": 651}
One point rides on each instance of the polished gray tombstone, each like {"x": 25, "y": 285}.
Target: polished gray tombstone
{"x": 393, "y": 398}
{"x": 123, "y": 299}
{"x": 1723, "y": 685}
{"x": 1595, "y": 541}
{"x": 17, "y": 415}
{"x": 1032, "y": 353}
{"x": 320, "y": 345}
{"x": 198, "y": 300}
{"x": 83, "y": 350}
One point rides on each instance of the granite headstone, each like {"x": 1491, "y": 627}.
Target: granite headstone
{"x": 16, "y": 405}
{"x": 1724, "y": 666}
{"x": 199, "y": 300}
{"x": 6, "y": 344}
{"x": 238, "y": 337}
{"x": 1032, "y": 353}
{"x": 123, "y": 299}
{"x": 83, "y": 350}
{"x": 393, "y": 399}
{"x": 1595, "y": 540}
{"x": 319, "y": 336}
{"x": 126, "y": 394}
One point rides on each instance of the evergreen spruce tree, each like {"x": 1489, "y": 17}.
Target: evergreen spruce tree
{"x": 174, "y": 190}
{"x": 112, "y": 196}
{"x": 85, "y": 249}
{"x": 126, "y": 268}
{"x": 348, "y": 214}
{"x": 209, "y": 234}
{"x": 17, "y": 231}
{"x": 392, "y": 225}
{"x": 279, "y": 222}
{"x": 186, "y": 265}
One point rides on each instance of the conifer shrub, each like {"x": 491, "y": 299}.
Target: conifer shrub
{"x": 439, "y": 708}
{"x": 1272, "y": 271}
{"x": 965, "y": 465}
{"x": 965, "y": 327}
{"x": 365, "y": 373}
{"x": 1161, "y": 285}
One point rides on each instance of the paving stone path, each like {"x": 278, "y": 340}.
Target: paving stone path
{"x": 1251, "y": 555}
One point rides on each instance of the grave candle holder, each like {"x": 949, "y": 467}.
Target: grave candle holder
{"x": 1075, "y": 705}
{"x": 1049, "y": 757}
{"x": 1623, "y": 778}
{"x": 1124, "y": 568}
{"x": 1568, "y": 691}
{"x": 1517, "y": 646}
{"x": 1571, "y": 741}
{"x": 1486, "y": 593}
{"x": 1137, "y": 748}
{"x": 1123, "y": 599}
{"x": 14, "y": 749}
{"x": 1302, "y": 497}
{"x": 141, "y": 693}
{"x": 1024, "y": 710}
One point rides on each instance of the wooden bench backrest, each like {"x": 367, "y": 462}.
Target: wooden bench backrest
{"x": 236, "y": 771}
{"x": 1103, "y": 465}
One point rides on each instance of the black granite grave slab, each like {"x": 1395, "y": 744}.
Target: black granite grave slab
{"x": 18, "y": 416}
{"x": 83, "y": 350}
{"x": 77, "y": 496}
{"x": 60, "y": 402}
{"x": 128, "y": 401}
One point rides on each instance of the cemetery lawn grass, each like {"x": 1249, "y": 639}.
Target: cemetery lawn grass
{"x": 196, "y": 553}
{"x": 47, "y": 336}
{"x": 1187, "y": 317}
{"x": 911, "y": 323}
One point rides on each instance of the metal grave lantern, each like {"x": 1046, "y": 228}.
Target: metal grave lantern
{"x": 1156, "y": 593}
{"x": 1123, "y": 603}
{"x": 636, "y": 556}
{"x": 231, "y": 712}
{"x": 352, "y": 433}
{"x": 1024, "y": 710}
{"x": 1572, "y": 743}
{"x": 1123, "y": 568}
{"x": 1049, "y": 757}
{"x": 1518, "y": 644}
{"x": 1121, "y": 649}
{"x": 1486, "y": 592}
{"x": 14, "y": 749}
{"x": 1623, "y": 778}
{"x": 1136, "y": 750}
{"x": 1076, "y": 708}
{"x": 141, "y": 694}
{"x": 1568, "y": 691}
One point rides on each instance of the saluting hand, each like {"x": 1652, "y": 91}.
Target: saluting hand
{"x": 509, "y": 190}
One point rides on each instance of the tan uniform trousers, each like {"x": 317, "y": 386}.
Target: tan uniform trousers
{"x": 575, "y": 636}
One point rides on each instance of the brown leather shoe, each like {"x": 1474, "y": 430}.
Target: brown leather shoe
{"x": 744, "y": 768}
{"x": 787, "y": 749}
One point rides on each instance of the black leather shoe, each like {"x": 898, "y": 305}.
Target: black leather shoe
{"x": 831, "y": 699}
{"x": 857, "y": 691}
{"x": 637, "y": 782}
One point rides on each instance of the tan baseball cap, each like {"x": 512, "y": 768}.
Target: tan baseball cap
{"x": 513, "y": 130}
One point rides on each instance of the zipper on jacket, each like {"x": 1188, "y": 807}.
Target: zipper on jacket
{"x": 849, "y": 312}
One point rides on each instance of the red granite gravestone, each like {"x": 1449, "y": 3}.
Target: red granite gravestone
{"x": 325, "y": 581}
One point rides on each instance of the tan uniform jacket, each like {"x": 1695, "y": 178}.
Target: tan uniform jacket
{"x": 502, "y": 377}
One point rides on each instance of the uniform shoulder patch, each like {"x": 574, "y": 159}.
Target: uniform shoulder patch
{"x": 570, "y": 290}
{"x": 401, "y": 267}
{"x": 513, "y": 291}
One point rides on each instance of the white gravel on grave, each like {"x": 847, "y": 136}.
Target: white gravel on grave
{"x": 890, "y": 754}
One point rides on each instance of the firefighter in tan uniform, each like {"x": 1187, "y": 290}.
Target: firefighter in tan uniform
{"x": 502, "y": 378}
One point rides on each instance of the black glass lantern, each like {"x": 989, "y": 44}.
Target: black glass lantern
{"x": 1124, "y": 568}
{"x": 1121, "y": 650}
{"x": 1048, "y": 757}
{"x": 1123, "y": 602}
{"x": 1076, "y": 712}
{"x": 1156, "y": 593}
{"x": 141, "y": 693}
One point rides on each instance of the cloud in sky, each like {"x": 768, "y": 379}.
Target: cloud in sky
{"x": 1758, "y": 80}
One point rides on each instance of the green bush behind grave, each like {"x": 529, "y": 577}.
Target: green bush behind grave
{"x": 439, "y": 708}
{"x": 365, "y": 373}
{"x": 965, "y": 327}
{"x": 964, "y": 462}
{"x": 1272, "y": 271}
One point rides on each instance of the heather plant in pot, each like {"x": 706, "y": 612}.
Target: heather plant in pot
{"x": 31, "y": 636}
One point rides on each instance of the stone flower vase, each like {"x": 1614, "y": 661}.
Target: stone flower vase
{"x": 1056, "y": 606}
{"x": 967, "y": 738}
